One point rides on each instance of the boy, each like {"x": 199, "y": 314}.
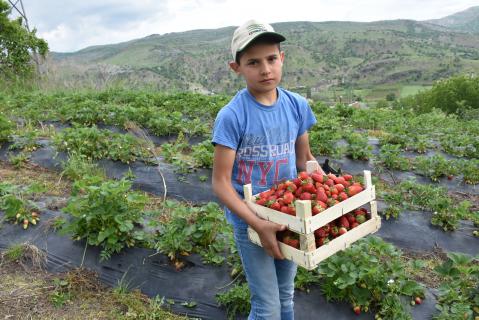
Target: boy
{"x": 260, "y": 137}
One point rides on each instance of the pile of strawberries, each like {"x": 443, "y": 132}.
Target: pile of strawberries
{"x": 329, "y": 231}
{"x": 324, "y": 191}
{"x": 340, "y": 226}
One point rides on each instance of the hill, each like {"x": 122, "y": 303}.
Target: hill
{"x": 465, "y": 21}
{"x": 319, "y": 55}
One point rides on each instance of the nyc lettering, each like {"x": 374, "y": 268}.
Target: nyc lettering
{"x": 245, "y": 170}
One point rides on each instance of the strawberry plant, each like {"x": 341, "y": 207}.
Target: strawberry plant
{"x": 435, "y": 167}
{"x": 236, "y": 300}
{"x": 105, "y": 214}
{"x": 469, "y": 170}
{"x": 390, "y": 157}
{"x": 458, "y": 292}
{"x": 17, "y": 203}
{"x": 97, "y": 144}
{"x": 358, "y": 147}
{"x": 193, "y": 229}
{"x": 370, "y": 275}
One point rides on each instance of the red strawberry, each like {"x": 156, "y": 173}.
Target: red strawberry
{"x": 343, "y": 221}
{"x": 284, "y": 209}
{"x": 417, "y": 300}
{"x": 343, "y": 196}
{"x": 303, "y": 175}
{"x": 357, "y": 310}
{"x": 276, "y": 206}
{"x": 322, "y": 204}
{"x": 347, "y": 177}
{"x": 339, "y": 187}
{"x": 329, "y": 182}
{"x": 353, "y": 190}
{"x": 317, "y": 177}
{"x": 305, "y": 196}
{"x": 321, "y": 195}
{"x": 288, "y": 197}
{"x": 351, "y": 218}
{"x": 292, "y": 187}
{"x": 317, "y": 209}
{"x": 297, "y": 182}
{"x": 342, "y": 231}
{"x": 354, "y": 225}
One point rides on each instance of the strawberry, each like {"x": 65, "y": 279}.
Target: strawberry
{"x": 322, "y": 204}
{"x": 342, "y": 196}
{"x": 305, "y": 196}
{"x": 292, "y": 187}
{"x": 351, "y": 218}
{"x": 360, "y": 218}
{"x": 343, "y": 221}
{"x": 298, "y": 192}
{"x": 357, "y": 310}
{"x": 334, "y": 231}
{"x": 329, "y": 182}
{"x": 284, "y": 209}
{"x": 261, "y": 201}
{"x": 317, "y": 177}
{"x": 317, "y": 209}
{"x": 288, "y": 197}
{"x": 297, "y": 182}
{"x": 276, "y": 206}
{"x": 417, "y": 300}
{"x": 321, "y": 195}
{"x": 303, "y": 175}
{"x": 354, "y": 225}
{"x": 342, "y": 231}
{"x": 353, "y": 190}
{"x": 321, "y": 241}
{"x": 347, "y": 177}
{"x": 309, "y": 187}
{"x": 339, "y": 187}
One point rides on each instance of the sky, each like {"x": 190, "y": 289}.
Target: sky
{"x": 69, "y": 26}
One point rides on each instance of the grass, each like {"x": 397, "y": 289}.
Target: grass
{"x": 411, "y": 90}
{"x": 27, "y": 291}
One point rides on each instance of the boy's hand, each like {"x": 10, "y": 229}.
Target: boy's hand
{"x": 266, "y": 231}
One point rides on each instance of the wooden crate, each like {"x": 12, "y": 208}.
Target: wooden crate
{"x": 305, "y": 224}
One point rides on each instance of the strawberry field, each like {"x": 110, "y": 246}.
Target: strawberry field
{"x": 119, "y": 182}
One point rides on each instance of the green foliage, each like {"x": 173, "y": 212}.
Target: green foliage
{"x": 370, "y": 274}
{"x": 358, "y": 147}
{"x": 202, "y": 154}
{"x": 454, "y": 95}
{"x": 236, "y": 300}
{"x": 16, "y": 202}
{"x": 193, "y": 229}
{"x": 79, "y": 166}
{"x": 390, "y": 157}
{"x": 16, "y": 42}
{"x": 95, "y": 144}
{"x": 409, "y": 195}
{"x": 6, "y": 129}
{"x": 458, "y": 292}
{"x": 105, "y": 214}
{"x": 435, "y": 167}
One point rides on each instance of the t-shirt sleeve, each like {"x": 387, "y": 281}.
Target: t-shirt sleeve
{"x": 306, "y": 117}
{"x": 226, "y": 130}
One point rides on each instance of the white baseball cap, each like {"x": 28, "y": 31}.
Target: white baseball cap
{"x": 249, "y": 31}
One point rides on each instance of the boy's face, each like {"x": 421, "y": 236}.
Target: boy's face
{"x": 261, "y": 66}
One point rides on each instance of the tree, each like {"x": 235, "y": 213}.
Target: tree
{"x": 16, "y": 46}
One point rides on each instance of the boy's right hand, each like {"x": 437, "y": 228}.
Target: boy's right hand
{"x": 266, "y": 231}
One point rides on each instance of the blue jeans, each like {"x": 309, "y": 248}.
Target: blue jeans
{"x": 271, "y": 281}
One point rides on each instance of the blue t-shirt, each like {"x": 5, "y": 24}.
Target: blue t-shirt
{"x": 264, "y": 139}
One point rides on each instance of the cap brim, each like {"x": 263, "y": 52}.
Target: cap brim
{"x": 270, "y": 35}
